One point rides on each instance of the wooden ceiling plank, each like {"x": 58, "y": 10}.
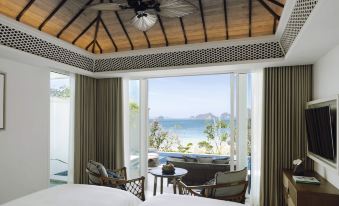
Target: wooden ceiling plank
{"x": 22, "y": 12}
{"x": 250, "y": 18}
{"x": 147, "y": 39}
{"x": 124, "y": 29}
{"x": 74, "y": 18}
{"x": 100, "y": 48}
{"x": 277, "y": 3}
{"x": 56, "y": 9}
{"x": 84, "y": 31}
{"x": 203, "y": 19}
{"x": 96, "y": 29}
{"x": 269, "y": 9}
{"x": 226, "y": 19}
{"x": 163, "y": 29}
{"x": 109, "y": 34}
{"x": 89, "y": 44}
{"x": 183, "y": 29}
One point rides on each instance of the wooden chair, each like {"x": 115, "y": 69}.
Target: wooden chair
{"x": 209, "y": 191}
{"x": 99, "y": 175}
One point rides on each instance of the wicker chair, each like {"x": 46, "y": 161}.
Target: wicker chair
{"x": 99, "y": 175}
{"x": 209, "y": 191}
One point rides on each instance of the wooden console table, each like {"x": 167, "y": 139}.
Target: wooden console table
{"x": 296, "y": 194}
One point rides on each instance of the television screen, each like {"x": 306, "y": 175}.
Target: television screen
{"x": 321, "y": 132}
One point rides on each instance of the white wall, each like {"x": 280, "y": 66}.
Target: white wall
{"x": 326, "y": 84}
{"x": 24, "y": 144}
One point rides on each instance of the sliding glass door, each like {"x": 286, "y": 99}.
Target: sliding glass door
{"x": 61, "y": 131}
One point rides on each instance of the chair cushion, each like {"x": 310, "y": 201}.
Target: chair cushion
{"x": 96, "y": 170}
{"x": 190, "y": 159}
{"x": 114, "y": 175}
{"x": 228, "y": 177}
{"x": 225, "y": 160}
{"x": 205, "y": 159}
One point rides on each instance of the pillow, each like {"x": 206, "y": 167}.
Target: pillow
{"x": 95, "y": 171}
{"x": 175, "y": 159}
{"x": 190, "y": 159}
{"x": 114, "y": 175}
{"x": 225, "y": 160}
{"x": 228, "y": 177}
{"x": 205, "y": 159}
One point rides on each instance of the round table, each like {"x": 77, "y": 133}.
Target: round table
{"x": 157, "y": 172}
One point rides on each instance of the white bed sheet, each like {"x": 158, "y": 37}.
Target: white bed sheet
{"x": 184, "y": 200}
{"x": 77, "y": 195}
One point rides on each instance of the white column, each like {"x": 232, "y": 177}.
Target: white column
{"x": 144, "y": 127}
{"x": 242, "y": 122}
{"x": 232, "y": 126}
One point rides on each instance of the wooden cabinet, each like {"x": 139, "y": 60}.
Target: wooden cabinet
{"x": 307, "y": 194}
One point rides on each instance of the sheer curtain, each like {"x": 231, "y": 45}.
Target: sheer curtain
{"x": 257, "y": 140}
{"x": 71, "y": 132}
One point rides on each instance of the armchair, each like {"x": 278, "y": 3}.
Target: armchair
{"x": 99, "y": 175}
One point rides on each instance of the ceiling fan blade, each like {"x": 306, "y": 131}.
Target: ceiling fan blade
{"x": 144, "y": 21}
{"x": 106, "y": 7}
{"x": 175, "y": 8}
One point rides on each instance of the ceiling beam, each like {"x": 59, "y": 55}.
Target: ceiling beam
{"x": 89, "y": 44}
{"x": 109, "y": 34}
{"x": 277, "y": 3}
{"x": 203, "y": 19}
{"x": 274, "y": 25}
{"x": 148, "y": 42}
{"x": 226, "y": 19}
{"x": 23, "y": 11}
{"x": 74, "y": 18}
{"x": 56, "y": 9}
{"x": 269, "y": 9}
{"x": 124, "y": 29}
{"x": 250, "y": 18}
{"x": 84, "y": 31}
{"x": 96, "y": 30}
{"x": 162, "y": 29}
{"x": 99, "y": 47}
{"x": 183, "y": 29}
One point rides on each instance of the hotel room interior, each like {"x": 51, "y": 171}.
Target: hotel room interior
{"x": 96, "y": 99}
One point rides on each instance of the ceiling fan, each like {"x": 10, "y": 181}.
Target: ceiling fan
{"x": 146, "y": 10}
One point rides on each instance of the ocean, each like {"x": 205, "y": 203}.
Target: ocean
{"x": 188, "y": 130}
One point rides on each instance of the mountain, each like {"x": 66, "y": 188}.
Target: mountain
{"x": 204, "y": 116}
{"x": 225, "y": 116}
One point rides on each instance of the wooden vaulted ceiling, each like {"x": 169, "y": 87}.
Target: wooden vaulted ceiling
{"x": 108, "y": 31}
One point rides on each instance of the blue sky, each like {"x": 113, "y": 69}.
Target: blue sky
{"x": 182, "y": 97}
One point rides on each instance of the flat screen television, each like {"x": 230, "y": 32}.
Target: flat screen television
{"x": 321, "y": 131}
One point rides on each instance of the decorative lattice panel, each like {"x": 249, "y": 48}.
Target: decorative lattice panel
{"x": 19, "y": 40}
{"x": 236, "y": 53}
{"x": 300, "y": 14}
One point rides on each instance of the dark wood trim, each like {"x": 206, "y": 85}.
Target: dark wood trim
{"x": 89, "y": 44}
{"x": 23, "y": 11}
{"x": 163, "y": 29}
{"x": 74, "y": 18}
{"x": 146, "y": 37}
{"x": 203, "y": 19}
{"x": 274, "y": 25}
{"x": 277, "y": 3}
{"x": 98, "y": 47}
{"x": 250, "y": 18}
{"x": 226, "y": 19}
{"x": 109, "y": 34}
{"x": 84, "y": 31}
{"x": 124, "y": 29}
{"x": 269, "y": 9}
{"x": 96, "y": 30}
{"x": 183, "y": 29}
{"x": 56, "y": 9}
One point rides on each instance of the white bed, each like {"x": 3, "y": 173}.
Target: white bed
{"x": 184, "y": 200}
{"x": 77, "y": 195}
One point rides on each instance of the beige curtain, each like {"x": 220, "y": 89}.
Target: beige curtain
{"x": 109, "y": 123}
{"x": 286, "y": 90}
{"x": 98, "y": 124}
